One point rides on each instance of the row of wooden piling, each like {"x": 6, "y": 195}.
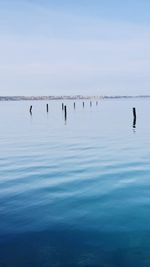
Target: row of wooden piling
{"x": 64, "y": 108}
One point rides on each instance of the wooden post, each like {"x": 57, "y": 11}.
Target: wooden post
{"x": 90, "y": 103}
{"x": 62, "y": 106}
{"x": 96, "y": 103}
{"x": 74, "y": 105}
{"x": 83, "y": 104}
{"x": 134, "y": 113}
{"x": 47, "y": 107}
{"x": 134, "y": 117}
{"x": 30, "y": 109}
{"x": 65, "y": 110}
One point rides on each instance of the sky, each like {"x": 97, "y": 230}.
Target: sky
{"x": 70, "y": 47}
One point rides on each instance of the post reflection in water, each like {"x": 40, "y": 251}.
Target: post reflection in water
{"x": 134, "y": 123}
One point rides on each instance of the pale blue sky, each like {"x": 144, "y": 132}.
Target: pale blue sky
{"x": 92, "y": 47}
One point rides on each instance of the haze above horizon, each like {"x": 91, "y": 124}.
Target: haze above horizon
{"x": 74, "y": 47}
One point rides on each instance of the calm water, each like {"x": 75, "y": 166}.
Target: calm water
{"x": 75, "y": 193}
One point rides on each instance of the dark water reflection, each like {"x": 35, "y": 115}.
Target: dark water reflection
{"x": 76, "y": 248}
{"x": 134, "y": 123}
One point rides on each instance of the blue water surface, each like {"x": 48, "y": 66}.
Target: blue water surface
{"x": 75, "y": 192}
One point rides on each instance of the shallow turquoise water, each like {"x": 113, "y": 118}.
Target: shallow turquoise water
{"x": 75, "y": 192}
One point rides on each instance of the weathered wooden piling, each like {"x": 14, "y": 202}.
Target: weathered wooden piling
{"x": 47, "y": 107}
{"x": 65, "y": 112}
{"x": 62, "y": 106}
{"x": 134, "y": 113}
{"x": 30, "y": 109}
{"x": 74, "y": 104}
{"x": 134, "y": 117}
{"x": 90, "y": 103}
{"x": 83, "y": 104}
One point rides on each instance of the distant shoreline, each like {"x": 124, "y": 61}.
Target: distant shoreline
{"x": 78, "y": 97}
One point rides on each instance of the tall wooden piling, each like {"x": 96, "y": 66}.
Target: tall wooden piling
{"x": 134, "y": 117}
{"x": 65, "y": 112}
{"x": 30, "y": 109}
{"x": 134, "y": 113}
{"x": 74, "y": 104}
{"x": 62, "y": 106}
{"x": 47, "y": 107}
{"x": 83, "y": 104}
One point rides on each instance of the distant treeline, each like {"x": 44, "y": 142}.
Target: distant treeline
{"x": 78, "y": 97}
